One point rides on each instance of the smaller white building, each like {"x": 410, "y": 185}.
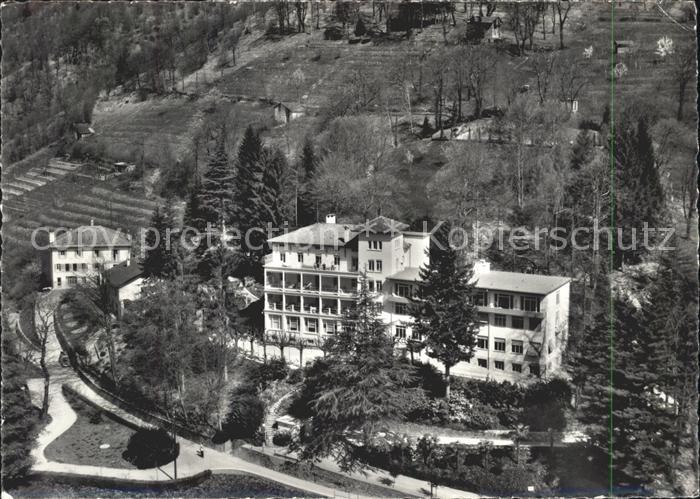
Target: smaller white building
{"x": 126, "y": 280}
{"x": 85, "y": 251}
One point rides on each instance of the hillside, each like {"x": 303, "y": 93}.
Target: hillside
{"x": 160, "y": 129}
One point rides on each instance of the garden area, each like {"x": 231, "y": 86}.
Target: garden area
{"x": 95, "y": 439}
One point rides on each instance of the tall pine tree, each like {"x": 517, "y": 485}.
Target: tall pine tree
{"x": 216, "y": 194}
{"x": 358, "y": 389}
{"x": 444, "y": 311}
{"x": 307, "y": 213}
{"x": 637, "y": 180}
{"x": 247, "y": 181}
{"x": 160, "y": 261}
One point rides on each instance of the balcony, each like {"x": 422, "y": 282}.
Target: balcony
{"x": 510, "y": 311}
{"x": 292, "y": 304}
{"x": 310, "y": 283}
{"x": 311, "y": 306}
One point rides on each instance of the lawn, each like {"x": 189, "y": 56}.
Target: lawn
{"x": 238, "y": 485}
{"x": 81, "y": 443}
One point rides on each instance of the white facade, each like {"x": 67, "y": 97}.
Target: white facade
{"x": 83, "y": 252}
{"x": 312, "y": 275}
{"x": 309, "y": 286}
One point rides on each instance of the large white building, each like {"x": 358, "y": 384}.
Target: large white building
{"x": 313, "y": 272}
{"x": 79, "y": 253}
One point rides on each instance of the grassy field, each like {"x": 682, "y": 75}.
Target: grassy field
{"x": 93, "y": 428}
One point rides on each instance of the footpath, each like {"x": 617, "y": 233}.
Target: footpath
{"x": 189, "y": 463}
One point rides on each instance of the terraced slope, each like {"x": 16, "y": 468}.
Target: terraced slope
{"x": 70, "y": 202}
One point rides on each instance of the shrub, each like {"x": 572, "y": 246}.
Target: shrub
{"x": 264, "y": 374}
{"x": 360, "y": 29}
{"x": 95, "y": 416}
{"x": 148, "y": 448}
{"x": 245, "y": 415}
{"x": 282, "y": 439}
{"x": 295, "y": 376}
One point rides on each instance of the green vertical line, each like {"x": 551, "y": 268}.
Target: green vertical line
{"x": 613, "y": 228}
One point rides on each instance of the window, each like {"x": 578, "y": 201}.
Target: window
{"x": 379, "y": 265}
{"x": 62, "y": 253}
{"x": 378, "y": 285}
{"x": 481, "y": 298}
{"x": 499, "y": 320}
{"x": 370, "y": 265}
{"x": 482, "y": 342}
{"x": 58, "y": 266}
{"x": 375, "y": 245}
{"x": 416, "y": 335}
{"x": 401, "y": 308}
{"x": 329, "y": 327}
{"x": 401, "y": 332}
{"x": 275, "y": 322}
{"x": 531, "y": 303}
{"x": 499, "y": 344}
{"x": 535, "y": 369}
{"x": 354, "y": 264}
{"x": 58, "y": 282}
{"x": 75, "y": 267}
{"x": 72, "y": 279}
{"x": 83, "y": 266}
{"x": 78, "y": 252}
{"x": 293, "y": 323}
{"x": 483, "y": 318}
{"x": 516, "y": 346}
{"x": 300, "y": 257}
{"x": 97, "y": 253}
{"x": 500, "y": 365}
{"x": 517, "y": 323}
{"x": 482, "y": 363}
{"x": 402, "y": 290}
{"x": 504, "y": 301}
{"x": 336, "y": 260}
{"x": 534, "y": 323}
{"x": 283, "y": 257}
{"x": 311, "y": 325}
{"x": 318, "y": 260}
{"x": 96, "y": 266}
{"x": 517, "y": 368}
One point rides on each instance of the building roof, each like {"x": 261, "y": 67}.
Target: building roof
{"x": 292, "y": 106}
{"x": 407, "y": 274}
{"x": 122, "y": 274}
{"x": 91, "y": 236}
{"x": 521, "y": 283}
{"x": 336, "y": 235}
{"x": 384, "y": 225}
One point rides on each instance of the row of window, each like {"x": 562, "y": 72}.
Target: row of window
{"x": 499, "y": 345}
{"x": 515, "y": 322}
{"x": 70, "y": 280}
{"x": 374, "y": 265}
{"x": 400, "y": 332}
{"x": 67, "y": 267}
{"x": 375, "y": 245}
{"x": 97, "y": 253}
{"x": 514, "y": 366}
{"x": 507, "y": 301}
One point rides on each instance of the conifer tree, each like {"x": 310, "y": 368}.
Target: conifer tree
{"x": 358, "y": 388}
{"x": 160, "y": 261}
{"x": 615, "y": 371}
{"x": 306, "y": 209}
{"x": 444, "y": 312}
{"x": 18, "y": 417}
{"x": 216, "y": 194}
{"x": 194, "y": 217}
{"x": 248, "y": 178}
{"x": 637, "y": 179}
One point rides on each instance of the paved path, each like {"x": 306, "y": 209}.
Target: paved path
{"x": 188, "y": 462}
{"x": 403, "y": 484}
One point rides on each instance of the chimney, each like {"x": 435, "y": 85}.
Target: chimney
{"x": 92, "y": 221}
{"x": 52, "y": 237}
{"x": 481, "y": 267}
{"x": 330, "y": 218}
